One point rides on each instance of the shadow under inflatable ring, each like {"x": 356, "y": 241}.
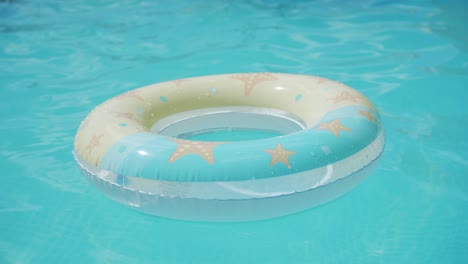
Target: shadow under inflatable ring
{"x": 136, "y": 147}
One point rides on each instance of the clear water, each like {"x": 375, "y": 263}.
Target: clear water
{"x": 59, "y": 59}
{"x": 232, "y": 135}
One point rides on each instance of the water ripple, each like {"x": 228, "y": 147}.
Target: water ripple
{"x": 59, "y": 60}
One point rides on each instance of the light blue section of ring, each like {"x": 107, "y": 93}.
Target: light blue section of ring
{"x": 147, "y": 155}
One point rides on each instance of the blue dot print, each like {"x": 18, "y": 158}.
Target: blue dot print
{"x": 298, "y": 97}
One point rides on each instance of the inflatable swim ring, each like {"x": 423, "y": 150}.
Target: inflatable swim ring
{"x": 143, "y": 148}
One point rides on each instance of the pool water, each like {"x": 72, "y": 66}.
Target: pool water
{"x": 232, "y": 135}
{"x": 59, "y": 59}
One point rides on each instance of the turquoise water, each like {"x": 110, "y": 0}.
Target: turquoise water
{"x": 59, "y": 59}
{"x": 232, "y": 135}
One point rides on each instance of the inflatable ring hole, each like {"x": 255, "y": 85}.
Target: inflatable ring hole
{"x": 233, "y": 123}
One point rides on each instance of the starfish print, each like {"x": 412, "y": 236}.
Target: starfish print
{"x": 200, "y": 148}
{"x": 250, "y": 80}
{"x": 344, "y": 96}
{"x": 130, "y": 94}
{"x": 280, "y": 155}
{"x": 126, "y": 115}
{"x": 322, "y": 80}
{"x": 319, "y": 80}
{"x": 94, "y": 142}
{"x": 334, "y": 126}
{"x": 367, "y": 114}
{"x": 180, "y": 81}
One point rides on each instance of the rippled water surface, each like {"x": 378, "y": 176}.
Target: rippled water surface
{"x": 59, "y": 59}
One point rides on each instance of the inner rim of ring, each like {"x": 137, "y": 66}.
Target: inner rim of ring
{"x": 243, "y": 118}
